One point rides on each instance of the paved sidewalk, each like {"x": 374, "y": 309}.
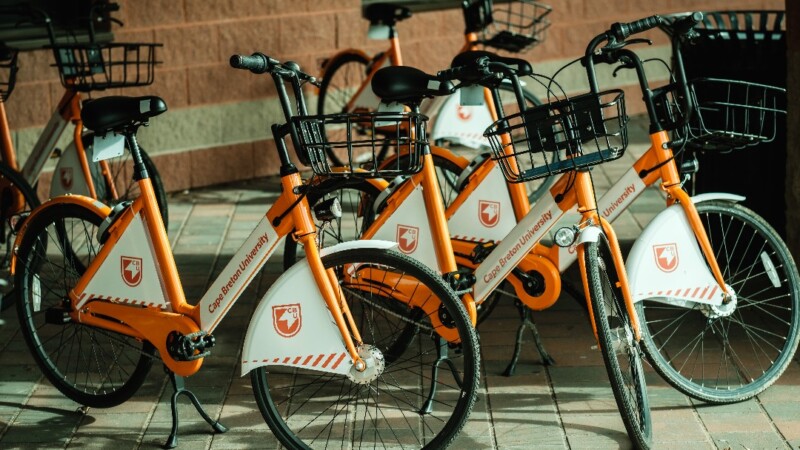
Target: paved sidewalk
{"x": 568, "y": 405}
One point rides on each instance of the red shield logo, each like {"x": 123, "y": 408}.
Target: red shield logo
{"x": 408, "y": 238}
{"x": 666, "y": 257}
{"x": 488, "y": 213}
{"x": 464, "y": 113}
{"x": 131, "y": 268}
{"x": 65, "y": 176}
{"x": 287, "y": 319}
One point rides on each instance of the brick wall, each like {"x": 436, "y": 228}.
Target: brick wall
{"x": 217, "y": 126}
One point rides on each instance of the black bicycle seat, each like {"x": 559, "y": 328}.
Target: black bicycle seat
{"x": 115, "y": 112}
{"x": 407, "y": 85}
{"x": 468, "y": 58}
{"x": 385, "y": 13}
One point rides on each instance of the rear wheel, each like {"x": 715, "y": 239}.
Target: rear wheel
{"x": 734, "y": 351}
{"x": 16, "y": 196}
{"x": 396, "y": 407}
{"x": 91, "y": 366}
{"x": 618, "y": 345}
{"x": 342, "y": 79}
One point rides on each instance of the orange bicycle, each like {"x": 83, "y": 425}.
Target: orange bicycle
{"x": 353, "y": 327}
{"x": 510, "y": 26}
{"x": 715, "y": 287}
{"x": 83, "y": 68}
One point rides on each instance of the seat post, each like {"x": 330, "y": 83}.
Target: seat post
{"x": 139, "y": 169}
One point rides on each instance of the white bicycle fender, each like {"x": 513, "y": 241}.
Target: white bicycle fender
{"x": 292, "y": 327}
{"x": 717, "y": 196}
{"x": 589, "y": 234}
{"x": 666, "y": 263}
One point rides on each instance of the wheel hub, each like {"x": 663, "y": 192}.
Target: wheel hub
{"x": 723, "y": 310}
{"x": 375, "y": 362}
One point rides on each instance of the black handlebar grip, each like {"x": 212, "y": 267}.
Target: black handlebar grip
{"x": 468, "y": 72}
{"x": 685, "y": 24}
{"x": 453, "y": 73}
{"x": 257, "y": 62}
{"x": 621, "y": 31}
{"x": 112, "y": 7}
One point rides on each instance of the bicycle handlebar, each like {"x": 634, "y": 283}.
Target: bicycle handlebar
{"x": 483, "y": 70}
{"x": 257, "y": 63}
{"x": 686, "y": 24}
{"x": 620, "y": 31}
{"x": 466, "y": 73}
{"x": 613, "y": 50}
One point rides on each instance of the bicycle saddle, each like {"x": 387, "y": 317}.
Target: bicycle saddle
{"x": 109, "y": 113}
{"x": 468, "y": 58}
{"x": 385, "y": 13}
{"x": 407, "y": 85}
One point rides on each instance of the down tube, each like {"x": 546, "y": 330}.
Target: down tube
{"x": 618, "y": 198}
{"x": 237, "y": 274}
{"x": 515, "y": 246}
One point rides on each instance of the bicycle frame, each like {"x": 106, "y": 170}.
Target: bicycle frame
{"x": 73, "y": 176}
{"x": 515, "y": 247}
{"x": 116, "y": 274}
{"x": 450, "y": 123}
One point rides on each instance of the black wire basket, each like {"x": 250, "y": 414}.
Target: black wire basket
{"x": 727, "y": 114}
{"x": 359, "y": 140}
{"x": 517, "y": 25}
{"x": 93, "y": 67}
{"x": 560, "y": 136}
{"x": 8, "y": 73}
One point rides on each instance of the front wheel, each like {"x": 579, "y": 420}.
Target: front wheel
{"x": 91, "y": 366}
{"x": 423, "y": 395}
{"x": 729, "y": 353}
{"x": 615, "y": 334}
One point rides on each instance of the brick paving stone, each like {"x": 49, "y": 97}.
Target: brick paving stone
{"x": 749, "y": 439}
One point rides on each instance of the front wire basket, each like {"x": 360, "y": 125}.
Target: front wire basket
{"x": 359, "y": 140}
{"x": 727, "y": 114}
{"x": 8, "y": 72}
{"x": 517, "y": 25}
{"x": 561, "y": 136}
{"x": 92, "y": 67}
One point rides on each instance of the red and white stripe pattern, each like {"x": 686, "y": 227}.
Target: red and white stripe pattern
{"x": 321, "y": 361}
{"x": 700, "y": 293}
{"x": 127, "y": 301}
{"x": 469, "y": 238}
{"x": 462, "y": 134}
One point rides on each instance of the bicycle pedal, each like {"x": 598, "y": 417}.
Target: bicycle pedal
{"x": 189, "y": 347}
{"x": 481, "y": 251}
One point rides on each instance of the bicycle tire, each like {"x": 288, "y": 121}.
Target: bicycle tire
{"x": 621, "y": 353}
{"x": 535, "y": 188}
{"x": 356, "y": 198}
{"x": 401, "y": 385}
{"x": 11, "y": 183}
{"x": 755, "y": 340}
{"x": 91, "y": 366}
{"x": 344, "y": 74}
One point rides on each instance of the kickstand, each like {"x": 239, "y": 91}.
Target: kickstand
{"x": 526, "y": 321}
{"x": 441, "y": 357}
{"x": 180, "y": 388}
